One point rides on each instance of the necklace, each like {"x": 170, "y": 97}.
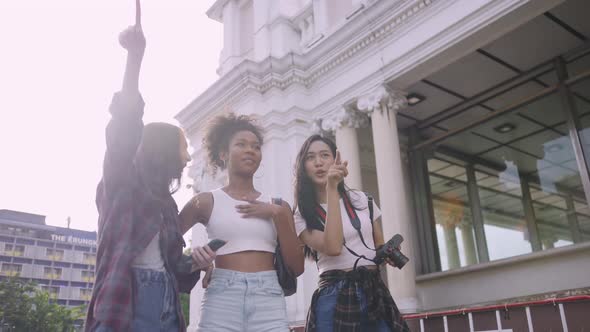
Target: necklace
{"x": 247, "y": 197}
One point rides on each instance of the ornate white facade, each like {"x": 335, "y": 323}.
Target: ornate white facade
{"x": 345, "y": 67}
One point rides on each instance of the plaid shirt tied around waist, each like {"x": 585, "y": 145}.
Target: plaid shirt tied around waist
{"x": 347, "y": 317}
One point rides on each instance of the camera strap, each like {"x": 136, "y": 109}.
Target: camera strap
{"x": 354, "y": 220}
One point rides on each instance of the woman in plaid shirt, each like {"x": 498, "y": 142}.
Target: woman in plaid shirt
{"x": 139, "y": 240}
{"x": 351, "y": 295}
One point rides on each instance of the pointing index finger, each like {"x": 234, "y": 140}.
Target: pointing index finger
{"x": 138, "y": 13}
{"x": 338, "y": 160}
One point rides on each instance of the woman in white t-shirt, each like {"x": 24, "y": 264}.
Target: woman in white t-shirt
{"x": 351, "y": 295}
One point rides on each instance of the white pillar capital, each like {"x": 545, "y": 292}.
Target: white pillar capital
{"x": 317, "y": 127}
{"x": 382, "y": 99}
{"x": 345, "y": 117}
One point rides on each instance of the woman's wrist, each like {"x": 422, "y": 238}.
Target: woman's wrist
{"x": 276, "y": 211}
{"x": 331, "y": 186}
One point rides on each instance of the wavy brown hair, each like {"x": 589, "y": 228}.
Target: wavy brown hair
{"x": 158, "y": 157}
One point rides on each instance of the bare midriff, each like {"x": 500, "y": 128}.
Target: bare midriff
{"x": 246, "y": 261}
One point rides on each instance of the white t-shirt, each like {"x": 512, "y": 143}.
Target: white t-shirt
{"x": 151, "y": 257}
{"x": 346, "y": 260}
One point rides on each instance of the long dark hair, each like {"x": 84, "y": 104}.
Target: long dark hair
{"x": 157, "y": 158}
{"x": 306, "y": 198}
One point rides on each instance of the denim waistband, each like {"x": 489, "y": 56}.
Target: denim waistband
{"x": 244, "y": 276}
{"x": 150, "y": 275}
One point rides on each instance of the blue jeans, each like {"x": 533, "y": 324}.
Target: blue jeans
{"x": 154, "y": 303}
{"x": 326, "y": 307}
{"x": 243, "y": 302}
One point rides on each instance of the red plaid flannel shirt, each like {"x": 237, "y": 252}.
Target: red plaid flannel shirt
{"x": 129, "y": 218}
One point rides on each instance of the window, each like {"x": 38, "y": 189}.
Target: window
{"x": 90, "y": 258}
{"x": 52, "y": 272}
{"x": 42, "y": 262}
{"x": 22, "y": 260}
{"x": 85, "y": 294}
{"x": 11, "y": 270}
{"x": 62, "y": 264}
{"x": 6, "y": 238}
{"x": 25, "y": 241}
{"x": 45, "y": 244}
{"x": 55, "y": 254}
{"x": 581, "y": 96}
{"x": 41, "y": 281}
{"x": 63, "y": 246}
{"x": 454, "y": 225}
{"x": 19, "y": 250}
{"x": 52, "y": 290}
{"x": 80, "y": 248}
{"x": 60, "y": 283}
{"x": 507, "y": 187}
{"x": 14, "y": 250}
{"x": 88, "y": 276}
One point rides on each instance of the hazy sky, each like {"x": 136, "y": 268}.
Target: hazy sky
{"x": 60, "y": 63}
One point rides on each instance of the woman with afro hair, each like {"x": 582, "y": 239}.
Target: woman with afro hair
{"x": 242, "y": 291}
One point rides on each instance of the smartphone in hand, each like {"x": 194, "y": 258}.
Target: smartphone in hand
{"x": 214, "y": 244}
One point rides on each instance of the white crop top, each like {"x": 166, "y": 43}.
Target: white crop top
{"x": 225, "y": 223}
{"x": 346, "y": 260}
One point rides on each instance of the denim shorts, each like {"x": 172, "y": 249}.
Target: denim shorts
{"x": 154, "y": 303}
{"x": 243, "y": 302}
{"x": 326, "y": 307}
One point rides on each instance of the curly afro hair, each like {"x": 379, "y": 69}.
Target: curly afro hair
{"x": 221, "y": 129}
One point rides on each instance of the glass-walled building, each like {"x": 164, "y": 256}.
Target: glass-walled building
{"x": 503, "y": 159}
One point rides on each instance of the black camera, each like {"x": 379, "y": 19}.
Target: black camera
{"x": 390, "y": 250}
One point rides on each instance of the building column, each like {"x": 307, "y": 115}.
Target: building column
{"x": 320, "y": 16}
{"x": 452, "y": 245}
{"x": 468, "y": 243}
{"x": 344, "y": 125}
{"x": 548, "y": 241}
{"x": 382, "y": 105}
{"x": 231, "y": 37}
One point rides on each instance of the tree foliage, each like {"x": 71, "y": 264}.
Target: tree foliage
{"x": 23, "y": 307}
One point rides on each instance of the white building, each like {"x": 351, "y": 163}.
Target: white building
{"x": 467, "y": 119}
